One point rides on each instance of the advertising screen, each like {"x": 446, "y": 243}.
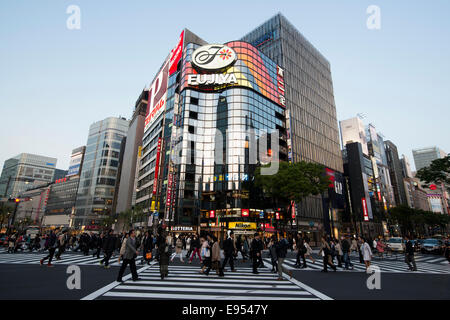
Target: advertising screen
{"x": 252, "y": 69}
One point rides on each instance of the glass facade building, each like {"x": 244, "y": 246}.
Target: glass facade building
{"x": 199, "y": 155}
{"x": 24, "y": 172}
{"x": 424, "y": 157}
{"x": 309, "y": 100}
{"x": 99, "y": 171}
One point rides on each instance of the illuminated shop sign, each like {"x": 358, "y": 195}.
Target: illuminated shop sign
{"x": 213, "y": 57}
{"x": 242, "y": 225}
{"x": 182, "y": 228}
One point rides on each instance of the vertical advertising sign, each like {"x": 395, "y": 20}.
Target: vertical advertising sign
{"x": 157, "y": 95}
{"x": 293, "y": 209}
{"x": 176, "y": 54}
{"x": 365, "y": 211}
{"x": 331, "y": 177}
{"x": 281, "y": 90}
{"x": 158, "y": 152}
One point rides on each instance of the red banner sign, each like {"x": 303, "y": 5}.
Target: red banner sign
{"x": 176, "y": 54}
{"x": 366, "y": 212}
{"x": 158, "y": 152}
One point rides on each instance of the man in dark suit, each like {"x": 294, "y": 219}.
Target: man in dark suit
{"x": 228, "y": 250}
{"x": 255, "y": 252}
{"x": 109, "y": 245}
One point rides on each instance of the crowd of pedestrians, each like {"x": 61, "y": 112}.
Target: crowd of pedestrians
{"x": 213, "y": 254}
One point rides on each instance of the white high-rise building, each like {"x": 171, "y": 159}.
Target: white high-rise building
{"x": 352, "y": 130}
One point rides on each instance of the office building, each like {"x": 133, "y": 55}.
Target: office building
{"x": 99, "y": 172}
{"x": 127, "y": 182}
{"x": 60, "y": 206}
{"x": 352, "y": 130}
{"x": 25, "y": 171}
{"x": 395, "y": 171}
{"x": 281, "y": 83}
{"x": 423, "y": 157}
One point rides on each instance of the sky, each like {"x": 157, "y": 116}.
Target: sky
{"x": 55, "y": 82}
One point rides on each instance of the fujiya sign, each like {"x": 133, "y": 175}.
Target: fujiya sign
{"x": 213, "y": 57}
{"x": 208, "y": 79}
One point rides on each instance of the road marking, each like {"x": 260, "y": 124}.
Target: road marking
{"x": 111, "y": 286}
{"x": 195, "y": 296}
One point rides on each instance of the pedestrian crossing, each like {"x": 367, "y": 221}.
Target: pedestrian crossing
{"x": 185, "y": 282}
{"x": 386, "y": 265}
{"x": 66, "y": 259}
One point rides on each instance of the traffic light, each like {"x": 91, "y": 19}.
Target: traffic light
{"x": 17, "y": 200}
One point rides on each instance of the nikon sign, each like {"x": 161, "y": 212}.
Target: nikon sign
{"x": 242, "y": 225}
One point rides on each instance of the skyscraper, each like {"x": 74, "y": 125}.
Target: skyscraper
{"x": 99, "y": 172}
{"x": 310, "y": 105}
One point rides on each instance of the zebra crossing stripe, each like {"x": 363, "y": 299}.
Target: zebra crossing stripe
{"x": 208, "y": 283}
{"x": 305, "y": 287}
{"x": 228, "y": 291}
{"x": 112, "y": 285}
{"x": 196, "y": 296}
{"x": 215, "y": 279}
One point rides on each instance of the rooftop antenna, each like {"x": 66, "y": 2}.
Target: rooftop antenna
{"x": 361, "y": 115}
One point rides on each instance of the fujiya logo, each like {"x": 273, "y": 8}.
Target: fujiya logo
{"x": 213, "y": 57}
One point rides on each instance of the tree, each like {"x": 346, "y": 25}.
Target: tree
{"x": 437, "y": 172}
{"x": 413, "y": 221}
{"x": 5, "y": 211}
{"x": 292, "y": 182}
{"x": 108, "y": 221}
{"x": 132, "y": 215}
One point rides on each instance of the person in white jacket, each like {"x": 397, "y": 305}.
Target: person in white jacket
{"x": 366, "y": 253}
